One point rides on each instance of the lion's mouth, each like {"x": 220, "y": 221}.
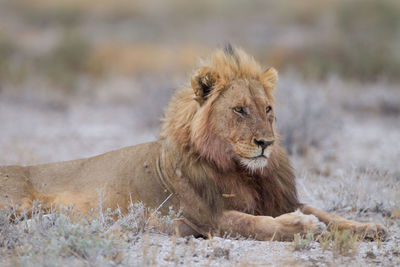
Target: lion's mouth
{"x": 256, "y": 157}
{"x": 263, "y": 155}
{"x": 259, "y": 161}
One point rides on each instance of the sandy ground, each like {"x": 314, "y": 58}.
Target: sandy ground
{"x": 36, "y": 131}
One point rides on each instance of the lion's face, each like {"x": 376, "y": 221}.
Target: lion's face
{"x": 243, "y": 115}
{"x": 235, "y": 122}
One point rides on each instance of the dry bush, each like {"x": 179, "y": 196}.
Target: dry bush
{"x": 379, "y": 98}
{"x": 60, "y": 235}
{"x": 353, "y": 190}
{"x": 305, "y": 116}
{"x": 54, "y": 238}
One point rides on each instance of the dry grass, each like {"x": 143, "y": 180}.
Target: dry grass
{"x": 344, "y": 243}
{"x": 55, "y": 236}
{"x": 353, "y": 190}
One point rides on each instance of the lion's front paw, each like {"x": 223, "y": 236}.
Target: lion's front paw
{"x": 309, "y": 223}
{"x": 371, "y": 231}
{"x": 297, "y": 222}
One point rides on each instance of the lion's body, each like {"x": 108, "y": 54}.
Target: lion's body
{"x": 116, "y": 177}
{"x": 218, "y": 160}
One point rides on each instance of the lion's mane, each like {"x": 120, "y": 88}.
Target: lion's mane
{"x": 208, "y": 164}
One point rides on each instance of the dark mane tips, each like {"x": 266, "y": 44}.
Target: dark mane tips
{"x": 229, "y": 50}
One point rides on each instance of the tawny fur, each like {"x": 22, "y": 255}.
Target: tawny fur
{"x": 209, "y": 157}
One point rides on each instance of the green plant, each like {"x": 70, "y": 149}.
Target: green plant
{"x": 340, "y": 242}
{"x": 303, "y": 242}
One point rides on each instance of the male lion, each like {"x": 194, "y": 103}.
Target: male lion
{"x": 218, "y": 160}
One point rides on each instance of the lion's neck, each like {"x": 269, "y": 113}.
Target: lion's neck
{"x": 269, "y": 192}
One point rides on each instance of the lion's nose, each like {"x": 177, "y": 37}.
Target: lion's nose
{"x": 263, "y": 143}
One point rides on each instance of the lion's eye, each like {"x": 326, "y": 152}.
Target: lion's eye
{"x": 239, "y": 110}
{"x": 268, "y": 109}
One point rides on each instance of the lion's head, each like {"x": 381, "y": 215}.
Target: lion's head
{"x": 227, "y": 115}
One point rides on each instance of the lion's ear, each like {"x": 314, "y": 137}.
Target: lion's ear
{"x": 202, "y": 83}
{"x": 270, "y": 77}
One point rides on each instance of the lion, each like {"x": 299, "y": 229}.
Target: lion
{"x": 218, "y": 160}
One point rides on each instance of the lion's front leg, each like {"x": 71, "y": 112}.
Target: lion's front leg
{"x": 369, "y": 230}
{"x": 282, "y": 228}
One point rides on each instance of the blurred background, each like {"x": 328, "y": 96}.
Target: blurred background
{"x": 82, "y": 77}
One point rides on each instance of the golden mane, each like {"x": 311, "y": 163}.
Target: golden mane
{"x": 231, "y": 64}
{"x": 207, "y": 161}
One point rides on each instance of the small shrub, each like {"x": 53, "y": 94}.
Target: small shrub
{"x": 361, "y": 191}
{"x": 340, "y": 242}
{"x": 303, "y": 242}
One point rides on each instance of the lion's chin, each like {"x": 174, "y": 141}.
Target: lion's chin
{"x": 254, "y": 164}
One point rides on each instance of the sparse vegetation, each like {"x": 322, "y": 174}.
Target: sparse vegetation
{"x": 78, "y": 78}
{"x": 340, "y": 242}
{"x": 42, "y": 236}
{"x": 357, "y": 190}
{"x": 303, "y": 242}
